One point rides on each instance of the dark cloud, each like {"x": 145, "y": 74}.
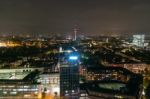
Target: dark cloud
{"x": 60, "y": 16}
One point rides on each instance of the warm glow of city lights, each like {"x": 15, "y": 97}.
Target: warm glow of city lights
{"x": 9, "y": 44}
{"x": 56, "y": 90}
{"x": 2, "y": 44}
{"x": 39, "y": 96}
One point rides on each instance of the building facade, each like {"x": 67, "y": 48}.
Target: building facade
{"x": 69, "y": 79}
{"x": 50, "y": 83}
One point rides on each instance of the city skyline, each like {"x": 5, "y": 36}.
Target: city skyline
{"x": 96, "y": 17}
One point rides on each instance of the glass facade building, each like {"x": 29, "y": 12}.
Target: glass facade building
{"x": 69, "y": 79}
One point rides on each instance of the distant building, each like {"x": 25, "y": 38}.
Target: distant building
{"x": 134, "y": 67}
{"x": 139, "y": 40}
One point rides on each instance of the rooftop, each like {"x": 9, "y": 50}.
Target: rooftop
{"x": 13, "y": 76}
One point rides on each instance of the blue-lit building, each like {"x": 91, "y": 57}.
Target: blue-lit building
{"x": 69, "y": 75}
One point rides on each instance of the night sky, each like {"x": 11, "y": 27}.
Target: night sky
{"x": 61, "y": 16}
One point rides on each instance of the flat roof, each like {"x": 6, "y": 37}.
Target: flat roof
{"x": 14, "y": 76}
{"x": 23, "y": 78}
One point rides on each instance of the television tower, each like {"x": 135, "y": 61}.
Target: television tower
{"x": 75, "y": 34}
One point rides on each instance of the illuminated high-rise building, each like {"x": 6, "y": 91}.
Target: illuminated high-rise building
{"x": 69, "y": 76}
